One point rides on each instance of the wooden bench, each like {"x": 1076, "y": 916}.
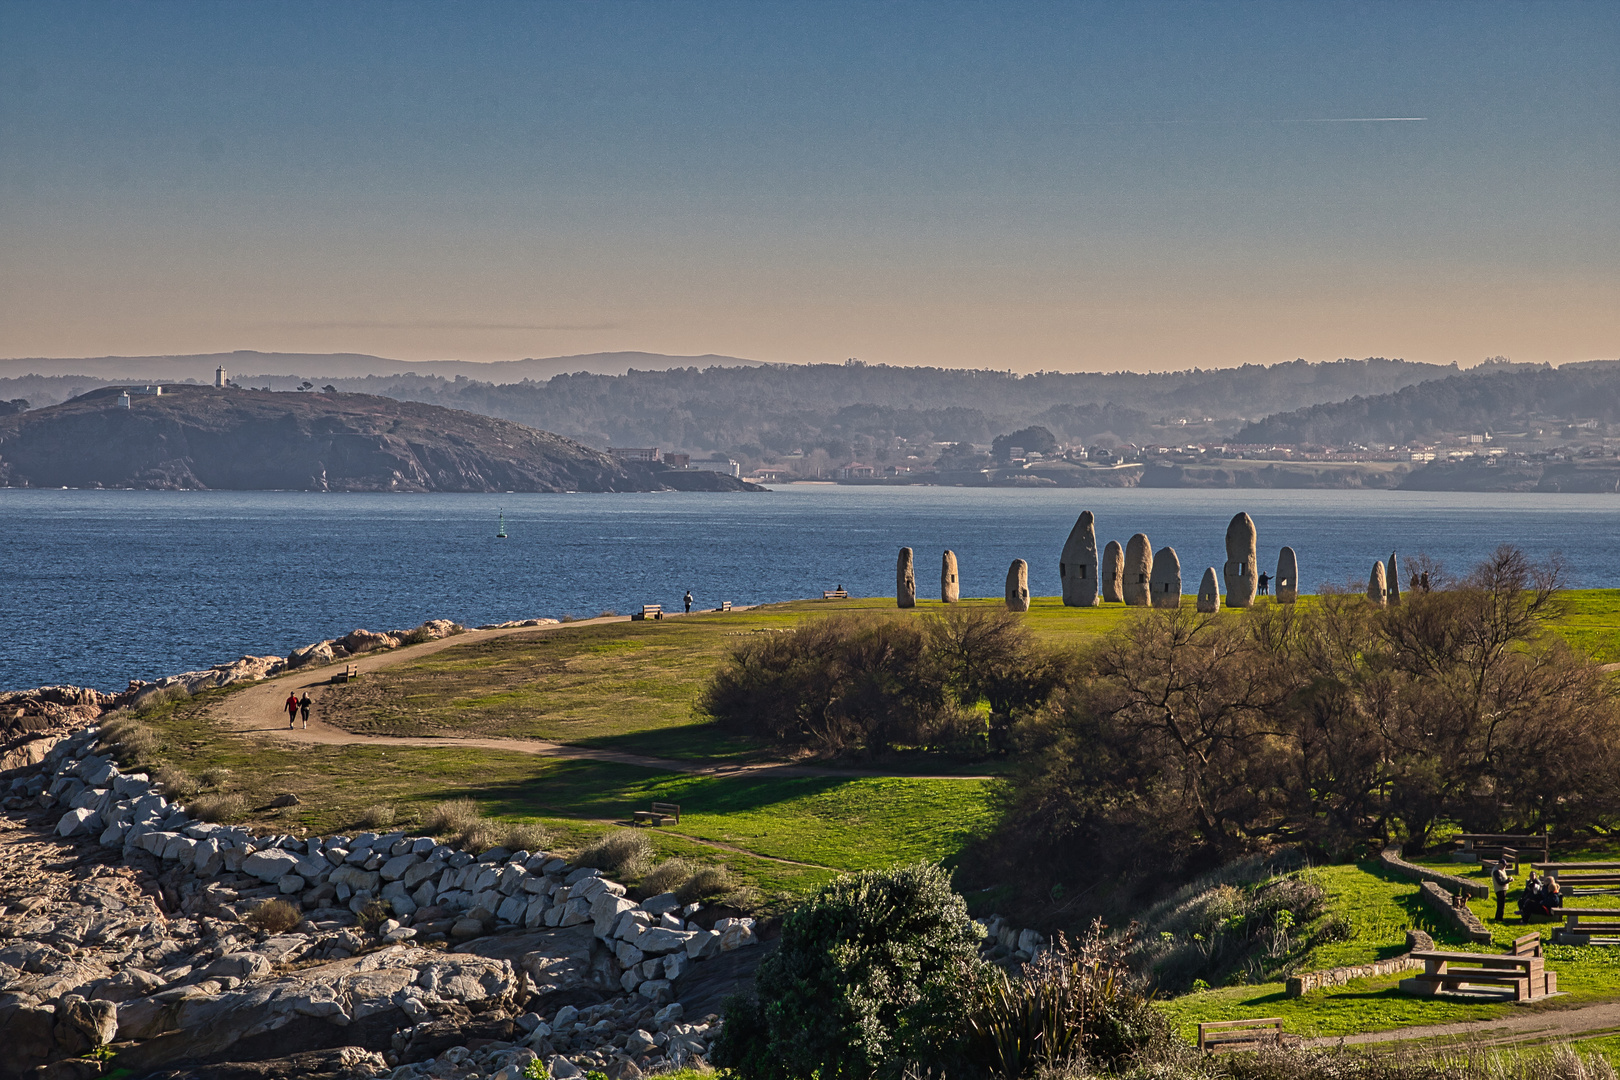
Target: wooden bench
{"x": 725, "y": 605}
{"x": 1488, "y": 847}
{"x": 1589, "y": 926}
{"x": 350, "y": 671}
{"x": 648, "y": 611}
{"x": 1525, "y": 975}
{"x": 660, "y": 813}
{"x": 834, "y": 594}
{"x": 1227, "y": 1036}
{"x": 1527, "y": 944}
{"x": 1607, "y": 874}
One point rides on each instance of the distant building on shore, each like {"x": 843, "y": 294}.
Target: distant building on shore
{"x": 219, "y": 377}
{"x": 633, "y": 453}
{"x": 718, "y": 463}
{"x": 678, "y": 461}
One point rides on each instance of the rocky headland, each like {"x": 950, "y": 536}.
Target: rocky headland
{"x": 203, "y": 438}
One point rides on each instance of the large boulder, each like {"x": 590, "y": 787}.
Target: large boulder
{"x": 552, "y": 959}
{"x": 1077, "y": 564}
{"x": 268, "y": 866}
{"x": 309, "y": 655}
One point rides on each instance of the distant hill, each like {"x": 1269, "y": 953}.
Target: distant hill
{"x": 325, "y": 366}
{"x": 195, "y": 437}
{"x": 1493, "y": 399}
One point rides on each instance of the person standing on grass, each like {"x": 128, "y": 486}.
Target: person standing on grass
{"x": 303, "y": 707}
{"x": 291, "y": 705}
{"x": 1500, "y": 879}
{"x": 689, "y": 601}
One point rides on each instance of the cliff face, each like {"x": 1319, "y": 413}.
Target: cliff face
{"x": 194, "y": 437}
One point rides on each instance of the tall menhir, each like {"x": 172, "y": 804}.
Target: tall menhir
{"x": 1240, "y": 562}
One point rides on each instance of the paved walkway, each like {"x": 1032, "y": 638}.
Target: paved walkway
{"x": 1546, "y": 1024}
{"x": 257, "y": 710}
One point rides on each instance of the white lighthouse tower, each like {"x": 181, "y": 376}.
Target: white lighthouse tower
{"x": 219, "y": 377}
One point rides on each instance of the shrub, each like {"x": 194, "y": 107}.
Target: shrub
{"x": 450, "y": 818}
{"x": 622, "y": 852}
{"x": 274, "y": 917}
{"x": 155, "y": 699}
{"x": 860, "y": 970}
{"x": 529, "y": 838}
{"x": 220, "y": 809}
{"x": 177, "y": 783}
{"x": 376, "y": 912}
{"x": 375, "y": 816}
{"x": 608, "y": 614}
{"x": 129, "y": 740}
{"x": 705, "y": 882}
{"x": 214, "y": 777}
{"x": 667, "y": 876}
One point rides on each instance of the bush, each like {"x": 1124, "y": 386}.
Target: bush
{"x": 220, "y": 809}
{"x": 530, "y": 838}
{"x": 705, "y": 882}
{"x": 374, "y": 817}
{"x": 450, "y": 818}
{"x": 861, "y": 971}
{"x": 274, "y": 917}
{"x": 127, "y": 739}
{"x": 214, "y": 777}
{"x": 623, "y": 852}
{"x": 157, "y": 698}
{"x": 667, "y": 876}
{"x": 177, "y": 783}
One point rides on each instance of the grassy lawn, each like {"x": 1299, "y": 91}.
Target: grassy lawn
{"x": 1591, "y": 622}
{"x": 623, "y": 686}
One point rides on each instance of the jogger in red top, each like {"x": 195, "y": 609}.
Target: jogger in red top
{"x": 291, "y": 706}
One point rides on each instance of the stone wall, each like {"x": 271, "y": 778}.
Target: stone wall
{"x": 1300, "y": 985}
{"x": 1461, "y": 919}
{"x": 1392, "y": 861}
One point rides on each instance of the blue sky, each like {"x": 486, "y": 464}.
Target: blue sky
{"x": 1021, "y": 186}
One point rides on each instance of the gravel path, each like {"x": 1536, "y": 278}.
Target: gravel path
{"x": 1540, "y": 1025}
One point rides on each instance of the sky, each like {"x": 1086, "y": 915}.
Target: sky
{"x": 1016, "y": 186}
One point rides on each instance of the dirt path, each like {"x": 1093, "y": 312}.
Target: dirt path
{"x": 257, "y": 711}
{"x": 1542, "y": 1025}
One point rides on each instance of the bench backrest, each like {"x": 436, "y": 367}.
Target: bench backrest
{"x": 725, "y": 605}
{"x": 667, "y": 808}
{"x": 652, "y": 609}
{"x": 1228, "y": 1032}
{"x": 1528, "y": 945}
{"x": 351, "y": 669}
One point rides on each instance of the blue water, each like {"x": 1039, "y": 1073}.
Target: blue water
{"x": 100, "y": 587}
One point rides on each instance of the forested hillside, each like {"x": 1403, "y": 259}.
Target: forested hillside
{"x": 1495, "y": 399}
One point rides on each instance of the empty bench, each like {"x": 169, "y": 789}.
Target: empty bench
{"x": 1521, "y": 974}
{"x": 834, "y": 594}
{"x": 1589, "y": 926}
{"x": 1227, "y": 1036}
{"x": 1579, "y": 875}
{"x": 725, "y": 605}
{"x": 648, "y": 611}
{"x": 659, "y": 814}
{"x": 350, "y": 671}
{"x": 1489, "y": 847}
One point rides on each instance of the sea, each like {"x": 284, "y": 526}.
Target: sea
{"x": 99, "y": 587}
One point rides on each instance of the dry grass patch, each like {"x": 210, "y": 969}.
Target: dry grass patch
{"x": 220, "y": 809}
{"x": 622, "y": 853}
{"x": 667, "y": 876}
{"x": 376, "y": 817}
{"x": 177, "y": 783}
{"x": 274, "y": 917}
{"x": 705, "y": 883}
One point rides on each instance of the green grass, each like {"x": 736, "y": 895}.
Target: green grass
{"x": 1591, "y": 622}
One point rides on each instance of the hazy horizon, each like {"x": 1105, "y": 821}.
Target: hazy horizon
{"x": 1075, "y": 187}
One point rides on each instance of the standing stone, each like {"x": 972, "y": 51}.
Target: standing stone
{"x": 1209, "y": 593}
{"x": 1240, "y": 562}
{"x": 1138, "y": 569}
{"x": 950, "y": 590}
{"x": 1113, "y": 569}
{"x": 1392, "y": 579}
{"x": 905, "y": 581}
{"x": 1077, "y": 566}
{"x": 1376, "y": 591}
{"x": 1287, "y": 584}
{"x": 1166, "y": 580}
{"x": 1018, "y": 586}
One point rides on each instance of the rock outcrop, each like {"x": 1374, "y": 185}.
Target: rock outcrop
{"x": 1138, "y": 571}
{"x": 1286, "y": 587}
{"x": 1018, "y": 586}
{"x": 1240, "y": 570}
{"x": 1113, "y": 570}
{"x": 1077, "y": 566}
{"x": 1209, "y": 593}
{"x": 905, "y": 580}
{"x": 144, "y": 938}
{"x": 950, "y": 589}
{"x": 1165, "y": 583}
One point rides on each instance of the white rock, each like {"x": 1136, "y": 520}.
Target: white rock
{"x": 269, "y": 865}
{"x": 74, "y": 822}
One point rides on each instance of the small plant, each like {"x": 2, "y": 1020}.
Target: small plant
{"x": 451, "y": 818}
{"x": 624, "y": 852}
{"x": 220, "y": 809}
{"x": 376, "y": 912}
{"x": 608, "y": 614}
{"x": 177, "y": 783}
{"x": 274, "y": 917}
{"x": 667, "y": 876}
{"x": 376, "y": 816}
{"x": 706, "y": 882}
{"x": 214, "y": 777}
{"x": 526, "y": 837}
{"x": 129, "y": 740}
{"x": 160, "y": 697}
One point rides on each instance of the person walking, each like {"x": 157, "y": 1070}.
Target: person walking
{"x": 1265, "y": 585}
{"x": 1500, "y": 879}
{"x": 303, "y": 707}
{"x": 291, "y": 705}
{"x": 689, "y": 601}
